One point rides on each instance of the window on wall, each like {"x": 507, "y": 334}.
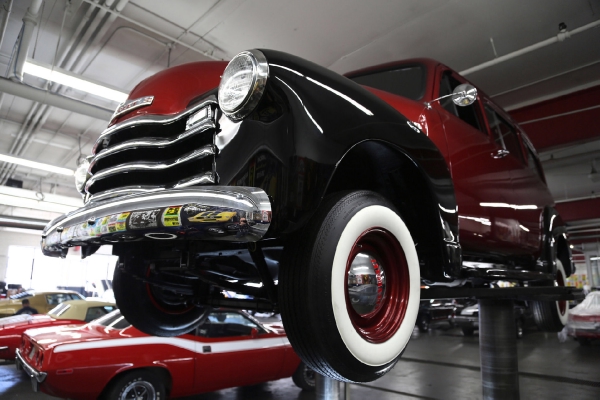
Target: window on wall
{"x": 91, "y": 276}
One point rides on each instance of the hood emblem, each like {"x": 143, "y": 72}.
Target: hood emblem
{"x": 131, "y": 105}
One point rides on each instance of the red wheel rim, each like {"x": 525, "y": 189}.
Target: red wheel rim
{"x": 384, "y": 320}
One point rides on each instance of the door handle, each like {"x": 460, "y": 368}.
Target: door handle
{"x": 500, "y": 153}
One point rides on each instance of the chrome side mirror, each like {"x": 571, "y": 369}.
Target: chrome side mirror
{"x": 464, "y": 95}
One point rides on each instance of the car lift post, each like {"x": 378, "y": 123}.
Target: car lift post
{"x": 498, "y": 349}
{"x": 327, "y": 388}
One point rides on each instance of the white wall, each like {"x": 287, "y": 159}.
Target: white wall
{"x": 9, "y": 237}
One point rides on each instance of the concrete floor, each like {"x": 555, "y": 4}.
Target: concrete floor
{"x": 440, "y": 364}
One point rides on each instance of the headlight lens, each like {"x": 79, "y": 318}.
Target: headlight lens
{"x": 81, "y": 175}
{"x": 243, "y": 83}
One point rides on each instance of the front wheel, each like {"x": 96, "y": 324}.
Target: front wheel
{"x": 552, "y": 316}
{"x": 139, "y": 385}
{"x": 350, "y": 288}
{"x": 304, "y": 377}
{"x": 150, "y": 308}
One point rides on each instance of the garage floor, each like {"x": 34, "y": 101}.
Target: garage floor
{"x": 440, "y": 364}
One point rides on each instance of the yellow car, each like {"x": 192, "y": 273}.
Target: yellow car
{"x": 213, "y": 216}
{"x": 41, "y": 301}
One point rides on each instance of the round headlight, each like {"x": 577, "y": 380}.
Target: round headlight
{"x": 243, "y": 83}
{"x": 81, "y": 175}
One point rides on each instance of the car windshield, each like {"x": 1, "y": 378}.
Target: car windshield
{"x": 112, "y": 320}
{"x": 407, "y": 81}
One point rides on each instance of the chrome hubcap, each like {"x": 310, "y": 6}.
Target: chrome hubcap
{"x": 139, "y": 390}
{"x": 366, "y": 284}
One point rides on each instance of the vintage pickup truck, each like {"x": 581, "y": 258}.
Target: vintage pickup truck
{"x": 328, "y": 198}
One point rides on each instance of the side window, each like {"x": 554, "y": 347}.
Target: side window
{"x": 468, "y": 114}
{"x": 227, "y": 324}
{"x": 97, "y": 312}
{"x": 534, "y": 164}
{"x": 57, "y": 298}
{"x": 504, "y": 134}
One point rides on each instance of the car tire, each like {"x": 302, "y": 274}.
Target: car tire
{"x": 468, "y": 331}
{"x": 304, "y": 377}
{"x": 552, "y": 316}
{"x": 321, "y": 322}
{"x": 584, "y": 341}
{"x": 139, "y": 384}
{"x": 423, "y": 323}
{"x": 149, "y": 308}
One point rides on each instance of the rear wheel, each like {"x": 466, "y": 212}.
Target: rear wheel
{"x": 350, "y": 288}
{"x": 423, "y": 323}
{"x": 151, "y": 308}
{"x": 552, "y": 316}
{"x": 304, "y": 377}
{"x": 139, "y": 385}
{"x": 468, "y": 331}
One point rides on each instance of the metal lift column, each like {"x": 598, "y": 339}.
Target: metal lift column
{"x": 498, "y": 350}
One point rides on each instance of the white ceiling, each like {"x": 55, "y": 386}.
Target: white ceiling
{"x": 140, "y": 37}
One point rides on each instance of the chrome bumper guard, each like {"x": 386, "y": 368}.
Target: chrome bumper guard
{"x": 36, "y": 376}
{"x": 194, "y": 213}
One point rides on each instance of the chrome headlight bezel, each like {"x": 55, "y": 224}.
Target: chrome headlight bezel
{"x": 254, "y": 85}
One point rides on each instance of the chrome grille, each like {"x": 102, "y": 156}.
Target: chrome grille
{"x": 150, "y": 153}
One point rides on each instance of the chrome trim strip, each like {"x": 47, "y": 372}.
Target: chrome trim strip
{"x": 150, "y": 142}
{"x": 149, "y": 119}
{"x": 200, "y": 213}
{"x": 202, "y": 152}
{"x": 203, "y": 179}
{"x": 32, "y": 372}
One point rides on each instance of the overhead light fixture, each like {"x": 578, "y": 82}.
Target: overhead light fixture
{"x": 593, "y": 175}
{"x": 67, "y": 78}
{"x": 37, "y": 165}
{"x": 24, "y": 198}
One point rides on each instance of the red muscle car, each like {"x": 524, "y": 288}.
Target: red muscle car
{"x": 110, "y": 359}
{"x": 385, "y": 178}
{"x": 67, "y": 313}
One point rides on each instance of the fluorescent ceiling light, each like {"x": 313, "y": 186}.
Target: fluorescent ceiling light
{"x": 23, "y": 198}
{"x": 67, "y": 78}
{"x": 36, "y": 165}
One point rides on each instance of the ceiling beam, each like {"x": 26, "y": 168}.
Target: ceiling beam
{"x": 565, "y": 120}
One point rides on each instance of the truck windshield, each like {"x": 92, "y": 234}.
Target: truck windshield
{"x": 407, "y": 81}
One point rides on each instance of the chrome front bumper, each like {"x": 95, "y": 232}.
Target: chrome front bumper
{"x": 36, "y": 376}
{"x": 195, "y": 213}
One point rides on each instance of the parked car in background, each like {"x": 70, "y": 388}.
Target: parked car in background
{"x": 468, "y": 318}
{"x": 344, "y": 175}
{"x": 66, "y": 313}
{"x": 110, "y": 359}
{"x": 436, "y": 312}
{"x": 41, "y": 301}
{"x": 584, "y": 319}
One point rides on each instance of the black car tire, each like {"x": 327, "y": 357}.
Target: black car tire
{"x": 326, "y": 331}
{"x": 304, "y": 377}
{"x": 423, "y": 323}
{"x": 138, "y": 384}
{"x": 149, "y": 308}
{"x": 468, "y": 331}
{"x": 552, "y": 316}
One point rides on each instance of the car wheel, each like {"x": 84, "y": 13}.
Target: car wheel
{"x": 139, "y": 385}
{"x": 423, "y": 323}
{"x": 552, "y": 316}
{"x": 519, "y": 327}
{"x": 584, "y": 341}
{"x": 150, "y": 308}
{"x": 468, "y": 331}
{"x": 304, "y": 377}
{"x": 353, "y": 240}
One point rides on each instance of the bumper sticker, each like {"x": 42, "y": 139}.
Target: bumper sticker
{"x": 171, "y": 216}
{"x": 144, "y": 219}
